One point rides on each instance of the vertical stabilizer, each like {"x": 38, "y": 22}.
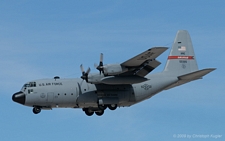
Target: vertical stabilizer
{"x": 181, "y": 59}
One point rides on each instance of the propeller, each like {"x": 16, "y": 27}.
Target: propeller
{"x": 100, "y": 66}
{"x": 84, "y": 74}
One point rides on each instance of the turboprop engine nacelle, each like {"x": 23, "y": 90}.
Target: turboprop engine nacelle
{"x": 113, "y": 69}
{"x": 95, "y": 78}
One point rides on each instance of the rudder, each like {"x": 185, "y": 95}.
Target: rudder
{"x": 181, "y": 59}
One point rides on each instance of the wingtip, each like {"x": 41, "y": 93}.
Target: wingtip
{"x": 212, "y": 69}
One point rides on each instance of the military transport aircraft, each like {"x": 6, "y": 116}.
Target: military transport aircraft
{"x": 116, "y": 85}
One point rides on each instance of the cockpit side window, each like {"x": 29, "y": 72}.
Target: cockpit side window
{"x": 30, "y": 91}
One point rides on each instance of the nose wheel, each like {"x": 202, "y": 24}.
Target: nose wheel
{"x": 36, "y": 110}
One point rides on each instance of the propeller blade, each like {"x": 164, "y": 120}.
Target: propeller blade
{"x": 100, "y": 66}
{"x": 84, "y": 74}
{"x": 88, "y": 71}
{"x": 82, "y": 69}
{"x": 101, "y": 57}
{"x": 103, "y": 70}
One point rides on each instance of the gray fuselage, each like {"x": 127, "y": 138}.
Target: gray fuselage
{"x": 76, "y": 93}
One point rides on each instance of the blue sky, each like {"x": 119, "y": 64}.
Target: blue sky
{"x": 42, "y": 39}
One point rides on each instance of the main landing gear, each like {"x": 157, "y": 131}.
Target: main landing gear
{"x": 36, "y": 110}
{"x": 91, "y": 111}
{"x": 100, "y": 110}
{"x": 112, "y": 106}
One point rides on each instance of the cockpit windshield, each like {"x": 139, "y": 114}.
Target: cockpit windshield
{"x": 28, "y": 85}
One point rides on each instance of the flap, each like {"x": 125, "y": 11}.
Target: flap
{"x": 148, "y": 68}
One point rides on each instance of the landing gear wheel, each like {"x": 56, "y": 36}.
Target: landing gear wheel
{"x": 102, "y": 107}
{"x": 112, "y": 106}
{"x": 36, "y": 110}
{"x": 88, "y": 112}
{"x": 100, "y": 112}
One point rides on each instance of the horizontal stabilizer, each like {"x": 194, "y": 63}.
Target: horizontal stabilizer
{"x": 196, "y": 75}
{"x": 190, "y": 77}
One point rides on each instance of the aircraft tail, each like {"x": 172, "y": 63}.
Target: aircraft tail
{"x": 181, "y": 59}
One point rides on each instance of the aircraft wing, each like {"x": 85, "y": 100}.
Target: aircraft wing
{"x": 129, "y": 72}
{"x": 143, "y": 63}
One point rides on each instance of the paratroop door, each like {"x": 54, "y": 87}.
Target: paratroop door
{"x": 50, "y": 97}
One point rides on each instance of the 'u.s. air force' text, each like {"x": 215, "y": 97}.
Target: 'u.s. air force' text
{"x": 51, "y": 84}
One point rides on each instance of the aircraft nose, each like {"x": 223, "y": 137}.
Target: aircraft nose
{"x": 19, "y": 97}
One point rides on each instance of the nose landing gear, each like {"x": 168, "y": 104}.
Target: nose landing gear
{"x": 36, "y": 110}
